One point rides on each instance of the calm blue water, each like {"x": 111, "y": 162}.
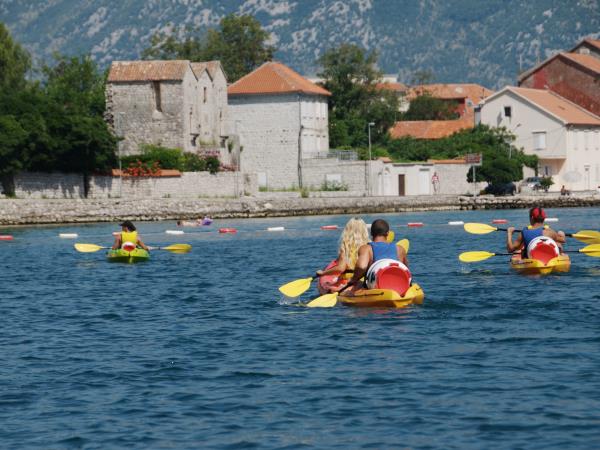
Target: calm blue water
{"x": 200, "y": 350}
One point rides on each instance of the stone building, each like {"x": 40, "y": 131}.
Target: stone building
{"x": 573, "y": 75}
{"x": 171, "y": 103}
{"x": 281, "y": 119}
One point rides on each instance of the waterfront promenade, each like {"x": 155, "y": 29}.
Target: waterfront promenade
{"x": 48, "y": 211}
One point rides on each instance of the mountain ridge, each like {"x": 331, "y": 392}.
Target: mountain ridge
{"x": 457, "y": 40}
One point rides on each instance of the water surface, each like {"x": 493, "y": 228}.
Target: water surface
{"x": 200, "y": 350}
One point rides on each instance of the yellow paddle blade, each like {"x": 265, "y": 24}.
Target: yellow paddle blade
{"x": 405, "y": 244}
{"x": 88, "y": 248}
{"x": 178, "y": 248}
{"x": 390, "y": 237}
{"x": 324, "y": 301}
{"x": 587, "y": 236}
{"x": 296, "y": 287}
{"x": 479, "y": 228}
{"x": 591, "y": 250}
{"x": 475, "y": 256}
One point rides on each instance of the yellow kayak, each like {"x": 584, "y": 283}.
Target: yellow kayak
{"x": 385, "y": 298}
{"x": 526, "y": 266}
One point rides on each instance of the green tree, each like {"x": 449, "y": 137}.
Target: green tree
{"x": 351, "y": 75}
{"x": 427, "y": 107}
{"x": 12, "y": 152}
{"x": 240, "y": 43}
{"x": 424, "y": 76}
{"x": 15, "y": 62}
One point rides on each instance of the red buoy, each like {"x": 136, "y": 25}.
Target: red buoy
{"x": 227, "y": 230}
{"x": 415, "y": 224}
{"x": 6, "y": 237}
{"x": 329, "y": 227}
{"x": 499, "y": 221}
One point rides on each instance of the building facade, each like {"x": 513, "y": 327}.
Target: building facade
{"x": 171, "y": 103}
{"x": 564, "y": 136}
{"x": 281, "y": 119}
{"x": 573, "y": 75}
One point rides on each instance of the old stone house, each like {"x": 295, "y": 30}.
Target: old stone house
{"x": 281, "y": 119}
{"x": 171, "y": 103}
{"x": 574, "y": 75}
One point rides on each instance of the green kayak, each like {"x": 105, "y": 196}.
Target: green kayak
{"x": 120, "y": 255}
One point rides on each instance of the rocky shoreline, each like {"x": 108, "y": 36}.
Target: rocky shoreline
{"x": 51, "y": 211}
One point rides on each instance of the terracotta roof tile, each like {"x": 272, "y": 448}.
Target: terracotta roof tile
{"x": 396, "y": 87}
{"x": 121, "y": 71}
{"x": 274, "y": 78}
{"x": 588, "y": 61}
{"x": 451, "y": 91}
{"x": 430, "y": 129}
{"x": 568, "y": 112}
{"x": 459, "y": 160}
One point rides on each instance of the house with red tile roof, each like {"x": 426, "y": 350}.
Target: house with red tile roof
{"x": 281, "y": 119}
{"x": 462, "y": 97}
{"x": 171, "y": 103}
{"x": 573, "y": 75}
{"x": 564, "y": 136}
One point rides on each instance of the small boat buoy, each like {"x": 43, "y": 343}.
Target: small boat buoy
{"x": 67, "y": 235}
{"x": 415, "y": 224}
{"x": 275, "y": 228}
{"x": 456, "y": 222}
{"x": 499, "y": 221}
{"x": 227, "y": 230}
{"x": 551, "y": 219}
{"x": 329, "y": 227}
{"x": 6, "y": 237}
{"x": 174, "y": 231}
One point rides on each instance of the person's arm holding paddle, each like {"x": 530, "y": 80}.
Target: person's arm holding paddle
{"x": 365, "y": 256}
{"x": 513, "y": 246}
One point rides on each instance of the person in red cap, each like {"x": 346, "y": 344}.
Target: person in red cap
{"x": 128, "y": 239}
{"x": 537, "y": 228}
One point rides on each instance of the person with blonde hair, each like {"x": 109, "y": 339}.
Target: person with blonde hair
{"x": 355, "y": 235}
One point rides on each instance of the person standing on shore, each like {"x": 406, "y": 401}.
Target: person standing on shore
{"x": 435, "y": 180}
{"x": 128, "y": 239}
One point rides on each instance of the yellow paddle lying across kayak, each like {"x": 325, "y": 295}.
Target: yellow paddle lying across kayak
{"x": 590, "y": 250}
{"x": 586, "y": 236}
{"x": 298, "y": 287}
{"x": 175, "y": 248}
{"x": 330, "y": 300}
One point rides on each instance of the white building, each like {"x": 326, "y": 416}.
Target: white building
{"x": 281, "y": 118}
{"x": 564, "y": 136}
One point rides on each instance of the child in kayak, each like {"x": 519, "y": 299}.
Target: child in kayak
{"x": 128, "y": 238}
{"x": 355, "y": 234}
{"x": 537, "y": 229}
{"x": 375, "y": 255}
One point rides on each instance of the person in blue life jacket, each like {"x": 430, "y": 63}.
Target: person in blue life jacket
{"x": 128, "y": 235}
{"x": 374, "y": 251}
{"x": 536, "y": 229}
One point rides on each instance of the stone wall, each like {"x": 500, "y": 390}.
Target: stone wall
{"x": 351, "y": 174}
{"x": 189, "y": 184}
{"x": 36, "y": 211}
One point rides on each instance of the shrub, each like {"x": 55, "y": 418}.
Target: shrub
{"x": 333, "y": 186}
{"x": 546, "y": 182}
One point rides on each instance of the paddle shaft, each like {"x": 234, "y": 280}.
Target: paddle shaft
{"x": 519, "y": 231}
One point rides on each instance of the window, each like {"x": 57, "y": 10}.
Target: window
{"x": 508, "y": 111}
{"x": 157, "y": 100}
{"x": 204, "y": 99}
{"x": 539, "y": 140}
{"x": 587, "y": 139}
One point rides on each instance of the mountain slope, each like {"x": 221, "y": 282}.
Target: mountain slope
{"x": 458, "y": 40}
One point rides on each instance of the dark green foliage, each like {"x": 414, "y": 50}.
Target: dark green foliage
{"x": 426, "y": 107}
{"x": 350, "y": 74}
{"x": 170, "y": 158}
{"x": 502, "y": 161}
{"x": 15, "y": 62}
{"x": 239, "y": 43}
{"x": 546, "y": 182}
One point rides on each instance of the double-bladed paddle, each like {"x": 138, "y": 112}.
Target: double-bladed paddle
{"x": 175, "y": 248}
{"x": 586, "y": 236}
{"x": 590, "y": 250}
